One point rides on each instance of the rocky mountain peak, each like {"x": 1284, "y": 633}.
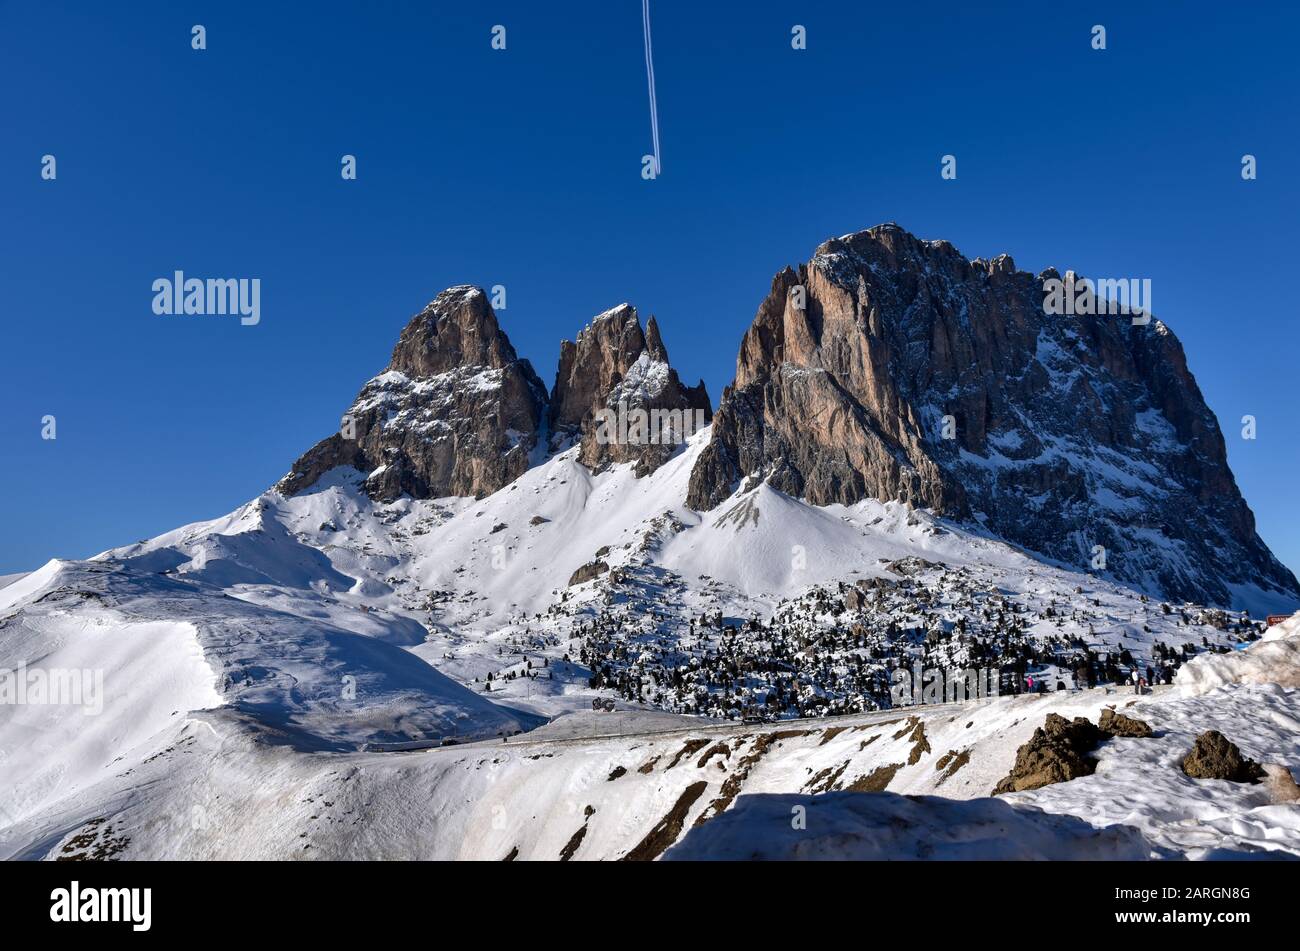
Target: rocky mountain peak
{"x": 890, "y": 367}
{"x": 885, "y": 367}
{"x": 457, "y": 329}
{"x": 594, "y": 364}
{"x": 613, "y": 372}
{"x": 654, "y": 342}
{"x": 456, "y": 412}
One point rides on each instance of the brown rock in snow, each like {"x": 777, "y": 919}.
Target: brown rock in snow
{"x": 1057, "y": 753}
{"x": 1117, "y": 724}
{"x": 1214, "y": 756}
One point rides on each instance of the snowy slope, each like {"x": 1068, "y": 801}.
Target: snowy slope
{"x": 848, "y": 826}
{"x": 248, "y": 660}
{"x": 151, "y": 648}
{"x": 7, "y": 580}
{"x": 1139, "y": 783}
{"x": 453, "y": 579}
{"x": 216, "y": 793}
{"x": 133, "y": 679}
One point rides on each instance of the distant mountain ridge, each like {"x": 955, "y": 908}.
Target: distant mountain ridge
{"x": 886, "y": 367}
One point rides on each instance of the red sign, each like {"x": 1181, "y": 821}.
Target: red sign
{"x": 1277, "y": 619}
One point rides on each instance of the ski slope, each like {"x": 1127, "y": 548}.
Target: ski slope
{"x": 249, "y": 661}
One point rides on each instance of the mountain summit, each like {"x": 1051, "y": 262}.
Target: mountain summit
{"x": 455, "y": 413}
{"x": 616, "y": 367}
{"x": 886, "y": 367}
{"x": 458, "y": 413}
{"x": 889, "y": 367}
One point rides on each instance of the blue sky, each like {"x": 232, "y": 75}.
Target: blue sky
{"x": 522, "y": 168}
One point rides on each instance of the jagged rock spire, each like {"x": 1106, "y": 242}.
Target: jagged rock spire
{"x": 455, "y": 413}
{"x": 612, "y": 373}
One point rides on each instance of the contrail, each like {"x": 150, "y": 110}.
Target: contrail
{"x": 650, "y": 77}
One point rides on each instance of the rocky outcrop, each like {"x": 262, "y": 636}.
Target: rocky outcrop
{"x": 1281, "y": 785}
{"x": 1056, "y": 753}
{"x": 455, "y": 413}
{"x": 588, "y": 571}
{"x": 889, "y": 367}
{"x": 618, "y": 396}
{"x": 1214, "y": 756}
{"x": 1117, "y": 724}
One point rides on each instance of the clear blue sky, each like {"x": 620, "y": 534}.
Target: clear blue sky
{"x": 522, "y": 168}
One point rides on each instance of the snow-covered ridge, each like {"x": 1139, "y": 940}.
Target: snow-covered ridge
{"x": 628, "y": 787}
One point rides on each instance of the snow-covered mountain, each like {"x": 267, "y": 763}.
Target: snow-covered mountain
{"x": 470, "y": 557}
{"x": 891, "y": 367}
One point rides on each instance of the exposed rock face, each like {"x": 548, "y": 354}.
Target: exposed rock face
{"x": 616, "y": 367}
{"x": 458, "y": 413}
{"x": 588, "y": 571}
{"x": 455, "y": 413}
{"x": 893, "y": 368}
{"x": 1057, "y": 753}
{"x": 1214, "y": 756}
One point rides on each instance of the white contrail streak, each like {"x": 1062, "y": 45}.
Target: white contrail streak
{"x": 650, "y": 77}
